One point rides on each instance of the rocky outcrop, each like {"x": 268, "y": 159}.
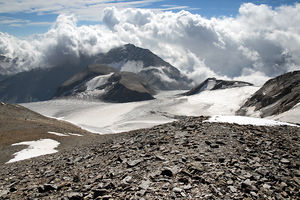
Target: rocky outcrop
{"x": 106, "y": 83}
{"x": 276, "y": 96}
{"x": 187, "y": 159}
{"x": 215, "y": 84}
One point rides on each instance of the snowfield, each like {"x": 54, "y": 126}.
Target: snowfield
{"x": 34, "y": 149}
{"x": 215, "y": 102}
{"x": 246, "y": 121}
{"x": 100, "y": 117}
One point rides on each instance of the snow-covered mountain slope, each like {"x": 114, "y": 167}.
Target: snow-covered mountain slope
{"x": 214, "y": 102}
{"x": 292, "y": 115}
{"x": 276, "y": 96}
{"x": 102, "y": 82}
{"x": 160, "y": 74}
{"x": 102, "y": 117}
{"x": 215, "y": 84}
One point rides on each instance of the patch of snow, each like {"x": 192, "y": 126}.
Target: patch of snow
{"x": 35, "y": 148}
{"x": 58, "y": 134}
{"x": 242, "y": 120}
{"x": 97, "y": 81}
{"x": 75, "y": 134}
{"x": 210, "y": 85}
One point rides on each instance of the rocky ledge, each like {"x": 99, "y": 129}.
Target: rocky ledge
{"x": 187, "y": 159}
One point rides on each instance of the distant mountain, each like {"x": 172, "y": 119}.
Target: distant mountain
{"x": 276, "y": 96}
{"x": 106, "y": 83}
{"x": 35, "y": 85}
{"x": 215, "y": 84}
{"x": 43, "y": 83}
{"x": 160, "y": 74}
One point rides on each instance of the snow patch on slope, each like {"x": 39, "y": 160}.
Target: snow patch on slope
{"x": 35, "y": 148}
{"x": 58, "y": 134}
{"x": 97, "y": 81}
{"x": 216, "y": 102}
{"x": 242, "y": 120}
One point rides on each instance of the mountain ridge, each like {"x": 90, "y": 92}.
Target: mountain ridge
{"x": 276, "y": 96}
{"x": 215, "y": 84}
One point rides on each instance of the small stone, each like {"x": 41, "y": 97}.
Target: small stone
{"x": 232, "y": 189}
{"x": 134, "y": 162}
{"x": 230, "y": 182}
{"x": 127, "y": 180}
{"x": 266, "y": 186}
{"x": 3, "y": 192}
{"x": 106, "y": 197}
{"x": 248, "y": 186}
{"x": 75, "y": 196}
{"x": 177, "y": 190}
{"x": 159, "y": 157}
{"x": 285, "y": 161}
{"x": 253, "y": 194}
{"x": 144, "y": 185}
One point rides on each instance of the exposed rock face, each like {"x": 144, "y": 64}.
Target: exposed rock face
{"x": 276, "y": 96}
{"x": 215, "y": 84}
{"x": 187, "y": 159}
{"x": 106, "y": 83}
{"x": 160, "y": 74}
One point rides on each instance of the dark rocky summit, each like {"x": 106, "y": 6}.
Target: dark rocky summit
{"x": 100, "y": 81}
{"x": 276, "y": 96}
{"x": 215, "y": 84}
{"x": 160, "y": 74}
{"x": 187, "y": 159}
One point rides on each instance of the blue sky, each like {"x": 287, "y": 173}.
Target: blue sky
{"x": 25, "y": 17}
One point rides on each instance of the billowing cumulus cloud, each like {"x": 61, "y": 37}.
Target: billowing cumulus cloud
{"x": 259, "y": 43}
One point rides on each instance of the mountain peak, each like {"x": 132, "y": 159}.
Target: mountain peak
{"x": 159, "y": 73}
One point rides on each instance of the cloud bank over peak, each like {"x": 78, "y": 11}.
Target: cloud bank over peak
{"x": 259, "y": 43}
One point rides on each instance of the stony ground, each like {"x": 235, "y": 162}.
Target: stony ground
{"x": 18, "y": 124}
{"x": 187, "y": 159}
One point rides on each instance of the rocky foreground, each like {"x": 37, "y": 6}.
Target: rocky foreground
{"x": 187, "y": 159}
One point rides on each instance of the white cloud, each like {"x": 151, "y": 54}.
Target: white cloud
{"x": 259, "y": 43}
